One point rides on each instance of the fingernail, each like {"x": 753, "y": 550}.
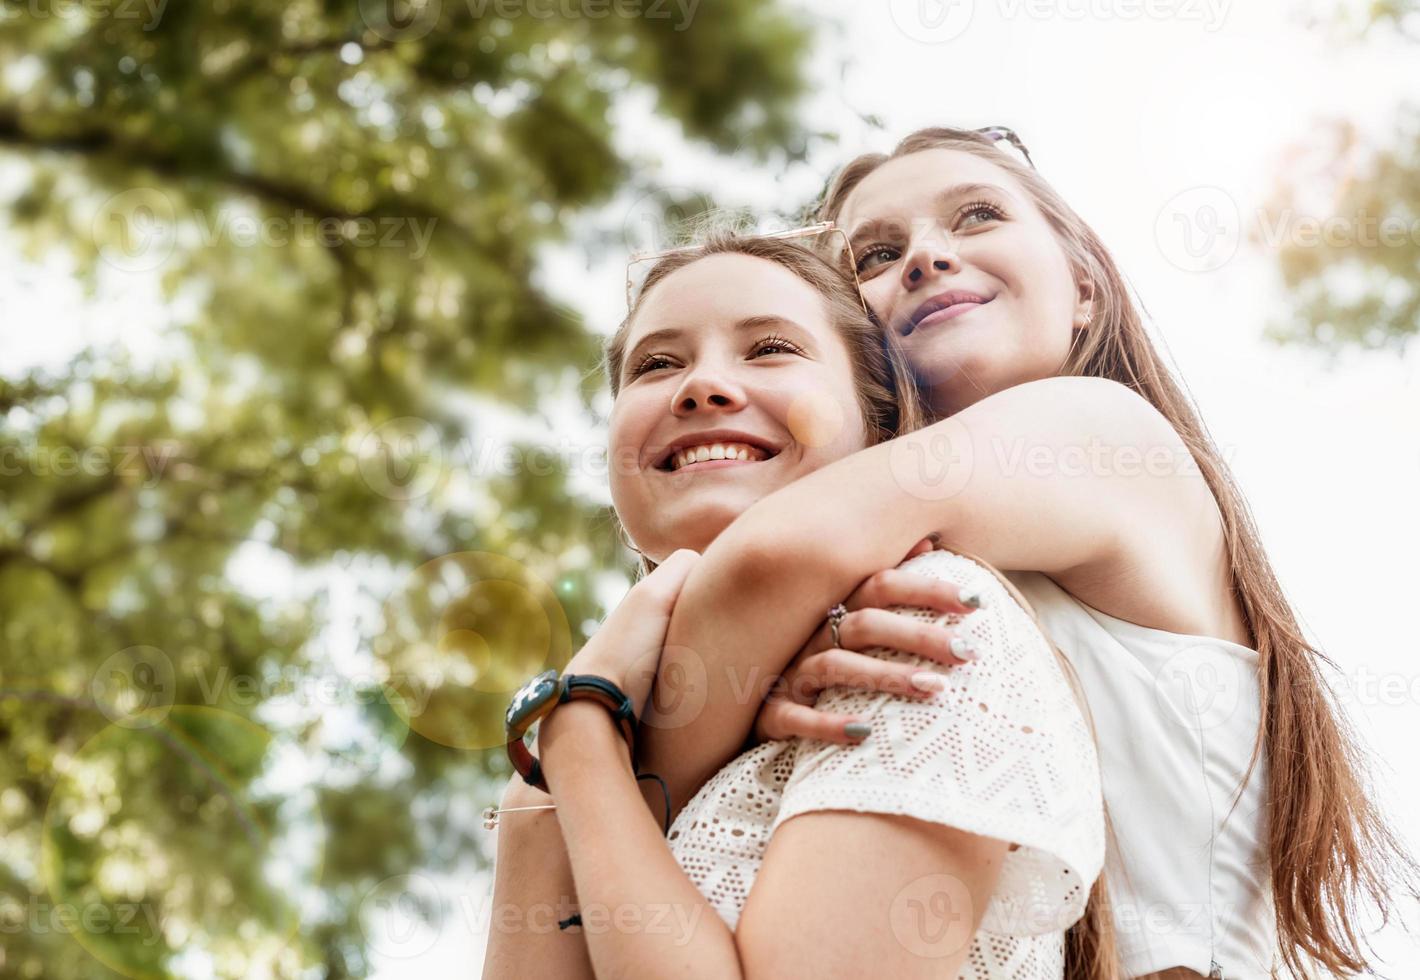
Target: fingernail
{"x": 856, "y": 729}
{"x": 970, "y": 598}
{"x": 964, "y": 649}
{"x": 926, "y": 680}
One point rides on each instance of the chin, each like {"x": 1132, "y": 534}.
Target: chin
{"x": 953, "y": 383}
{"x": 944, "y": 365}
{"x": 695, "y": 524}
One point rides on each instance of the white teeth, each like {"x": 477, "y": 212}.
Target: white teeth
{"x": 716, "y": 450}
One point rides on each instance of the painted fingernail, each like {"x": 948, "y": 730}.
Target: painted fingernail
{"x": 925, "y": 680}
{"x": 971, "y": 598}
{"x": 856, "y": 729}
{"x": 964, "y": 649}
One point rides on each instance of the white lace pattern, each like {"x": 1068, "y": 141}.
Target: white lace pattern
{"x": 1003, "y": 751}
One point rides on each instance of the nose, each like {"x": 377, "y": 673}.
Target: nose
{"x": 929, "y": 255}
{"x": 707, "y": 388}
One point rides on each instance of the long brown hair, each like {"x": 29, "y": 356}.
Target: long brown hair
{"x": 1329, "y": 847}
{"x": 882, "y": 381}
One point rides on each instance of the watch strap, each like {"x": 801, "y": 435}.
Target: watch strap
{"x": 576, "y": 687}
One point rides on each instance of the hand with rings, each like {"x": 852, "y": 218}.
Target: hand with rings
{"x": 831, "y": 657}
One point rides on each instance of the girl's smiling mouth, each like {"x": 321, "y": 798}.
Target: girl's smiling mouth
{"x": 714, "y": 449}
{"x": 943, "y": 307}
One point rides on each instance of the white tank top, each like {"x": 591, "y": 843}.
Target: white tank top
{"x": 1175, "y": 721}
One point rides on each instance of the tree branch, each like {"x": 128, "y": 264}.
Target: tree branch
{"x": 97, "y": 141}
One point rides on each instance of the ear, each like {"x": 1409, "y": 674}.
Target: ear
{"x": 1084, "y": 304}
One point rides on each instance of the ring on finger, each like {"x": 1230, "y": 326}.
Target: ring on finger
{"x": 836, "y": 616}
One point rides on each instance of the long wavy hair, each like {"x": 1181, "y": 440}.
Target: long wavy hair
{"x": 1329, "y": 847}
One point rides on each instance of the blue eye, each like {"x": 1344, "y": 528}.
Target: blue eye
{"x": 989, "y": 210}
{"x": 876, "y": 257}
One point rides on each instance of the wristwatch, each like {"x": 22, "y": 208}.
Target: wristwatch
{"x": 536, "y": 699}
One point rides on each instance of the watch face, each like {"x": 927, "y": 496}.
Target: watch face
{"x": 531, "y": 700}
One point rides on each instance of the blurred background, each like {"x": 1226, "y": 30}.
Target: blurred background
{"x": 302, "y": 461}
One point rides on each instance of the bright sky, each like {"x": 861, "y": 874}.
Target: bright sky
{"x": 1157, "y": 119}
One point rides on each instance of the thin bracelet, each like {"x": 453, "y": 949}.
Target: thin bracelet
{"x": 490, "y": 813}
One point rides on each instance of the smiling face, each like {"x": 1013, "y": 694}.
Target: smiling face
{"x": 735, "y": 383}
{"x": 964, "y": 272}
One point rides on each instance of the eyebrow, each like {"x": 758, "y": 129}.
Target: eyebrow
{"x": 758, "y": 321}
{"x": 867, "y": 229}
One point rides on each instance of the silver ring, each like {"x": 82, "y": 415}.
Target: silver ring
{"x": 836, "y": 616}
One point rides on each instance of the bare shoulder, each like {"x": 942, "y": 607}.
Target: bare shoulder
{"x": 1094, "y": 406}
{"x": 1105, "y": 430}
{"x": 1168, "y": 568}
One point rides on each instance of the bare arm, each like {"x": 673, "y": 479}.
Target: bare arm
{"x": 805, "y": 917}
{"x": 1051, "y": 476}
{"x": 532, "y": 891}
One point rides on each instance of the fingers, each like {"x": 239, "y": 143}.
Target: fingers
{"x": 650, "y": 601}
{"x": 844, "y": 668}
{"x": 663, "y": 585}
{"x": 871, "y": 624}
{"x": 895, "y": 587}
{"x": 781, "y": 719}
{"x": 921, "y": 547}
{"x": 864, "y": 629}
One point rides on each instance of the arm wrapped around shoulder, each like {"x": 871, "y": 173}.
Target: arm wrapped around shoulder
{"x": 1003, "y": 751}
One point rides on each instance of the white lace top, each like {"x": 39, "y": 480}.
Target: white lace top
{"x": 1003, "y": 751}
